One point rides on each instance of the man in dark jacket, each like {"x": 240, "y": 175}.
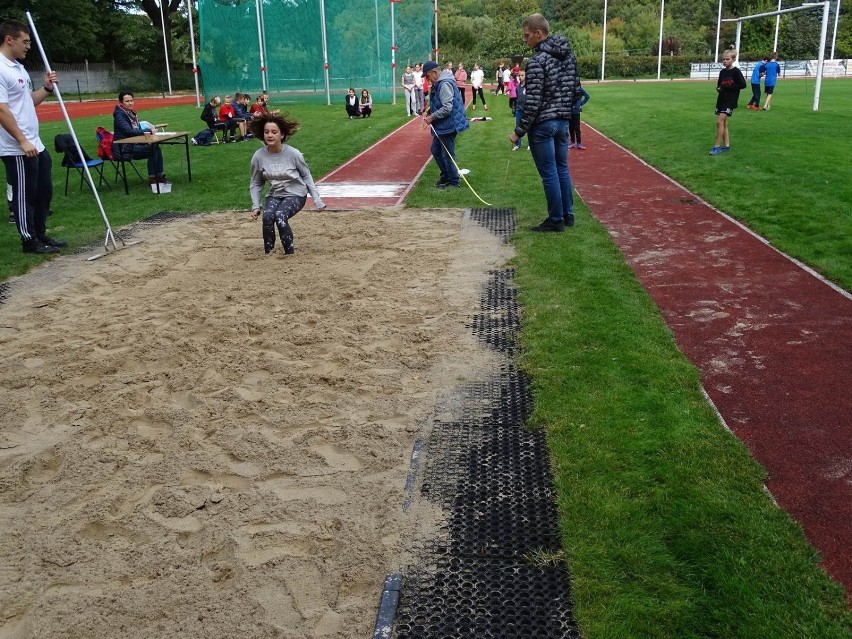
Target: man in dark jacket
{"x": 550, "y": 84}
{"x": 447, "y": 118}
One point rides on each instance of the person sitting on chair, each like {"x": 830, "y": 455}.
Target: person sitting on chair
{"x": 241, "y": 106}
{"x": 229, "y": 117}
{"x": 126, "y": 125}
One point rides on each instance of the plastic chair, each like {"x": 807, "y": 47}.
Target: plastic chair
{"x": 64, "y": 143}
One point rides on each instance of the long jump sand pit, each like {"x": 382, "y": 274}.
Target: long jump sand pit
{"x": 199, "y": 440}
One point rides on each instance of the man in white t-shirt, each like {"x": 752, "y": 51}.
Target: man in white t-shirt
{"x": 477, "y": 77}
{"x": 27, "y": 162}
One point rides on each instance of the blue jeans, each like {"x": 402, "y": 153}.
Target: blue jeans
{"x": 518, "y": 114}
{"x": 444, "y": 151}
{"x": 549, "y": 147}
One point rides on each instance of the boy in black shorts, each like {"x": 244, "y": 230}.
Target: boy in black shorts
{"x": 729, "y": 85}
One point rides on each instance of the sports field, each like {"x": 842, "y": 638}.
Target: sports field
{"x": 668, "y": 532}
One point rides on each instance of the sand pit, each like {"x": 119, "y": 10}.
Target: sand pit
{"x": 198, "y": 440}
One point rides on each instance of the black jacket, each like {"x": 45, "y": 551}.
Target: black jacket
{"x": 550, "y": 83}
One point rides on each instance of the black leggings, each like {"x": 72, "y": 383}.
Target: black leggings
{"x": 755, "y": 94}
{"x": 574, "y": 128}
{"x": 277, "y": 212}
{"x": 481, "y": 95}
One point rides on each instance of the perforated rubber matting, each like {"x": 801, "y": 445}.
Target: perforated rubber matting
{"x": 495, "y": 570}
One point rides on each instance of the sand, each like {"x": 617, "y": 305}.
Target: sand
{"x": 198, "y": 440}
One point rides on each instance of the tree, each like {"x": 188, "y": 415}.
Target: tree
{"x": 69, "y": 30}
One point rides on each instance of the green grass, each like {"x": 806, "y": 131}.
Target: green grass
{"x": 667, "y": 530}
{"x": 786, "y": 176}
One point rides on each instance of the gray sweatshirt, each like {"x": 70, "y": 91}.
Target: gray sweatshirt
{"x": 287, "y": 174}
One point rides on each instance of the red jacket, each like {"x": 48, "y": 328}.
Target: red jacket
{"x": 226, "y": 112}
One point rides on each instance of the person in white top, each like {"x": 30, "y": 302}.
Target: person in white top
{"x": 507, "y": 75}
{"x": 418, "y": 87}
{"x": 27, "y": 162}
{"x": 477, "y": 77}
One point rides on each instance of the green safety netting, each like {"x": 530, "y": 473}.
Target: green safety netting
{"x": 358, "y": 37}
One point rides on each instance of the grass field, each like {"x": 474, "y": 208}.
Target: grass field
{"x": 667, "y": 530}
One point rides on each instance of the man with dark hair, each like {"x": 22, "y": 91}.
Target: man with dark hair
{"x": 551, "y": 79}
{"x": 27, "y": 162}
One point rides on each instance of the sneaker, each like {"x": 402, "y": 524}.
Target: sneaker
{"x": 11, "y": 218}
{"x": 716, "y": 150}
{"x": 579, "y": 146}
{"x": 34, "y": 246}
{"x": 194, "y": 142}
{"x": 473, "y": 107}
{"x": 49, "y": 241}
{"x": 289, "y": 250}
{"x": 549, "y": 226}
{"x": 766, "y": 108}
{"x": 572, "y": 145}
{"x": 449, "y": 185}
{"x": 568, "y": 221}
{"x": 486, "y": 107}
{"x": 441, "y": 183}
{"x": 516, "y": 147}
{"x": 722, "y": 149}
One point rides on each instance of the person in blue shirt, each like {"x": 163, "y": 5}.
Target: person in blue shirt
{"x": 772, "y": 70}
{"x": 580, "y": 98}
{"x": 756, "y": 74}
{"x": 446, "y": 118}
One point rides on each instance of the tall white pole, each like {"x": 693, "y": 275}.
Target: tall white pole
{"x": 777, "y": 27}
{"x": 834, "y": 37}
{"x": 393, "y": 51}
{"x": 58, "y": 94}
{"x": 718, "y": 30}
{"x": 737, "y": 45}
{"x": 603, "y": 47}
{"x": 192, "y": 47}
{"x": 165, "y": 46}
{"x": 260, "y": 44}
{"x": 325, "y": 53}
{"x": 436, "y": 31}
{"x": 264, "y": 71}
{"x": 378, "y": 42}
{"x": 821, "y": 60}
{"x": 660, "y": 46}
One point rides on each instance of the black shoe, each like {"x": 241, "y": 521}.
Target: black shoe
{"x": 34, "y": 246}
{"x": 439, "y": 184}
{"x": 448, "y": 185}
{"x": 568, "y": 221}
{"x": 11, "y": 218}
{"x": 289, "y": 250}
{"x": 49, "y": 241}
{"x": 549, "y": 226}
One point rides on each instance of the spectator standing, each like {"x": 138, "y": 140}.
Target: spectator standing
{"x": 289, "y": 178}
{"x": 447, "y": 118}
{"x": 551, "y": 77}
{"x": 477, "y": 78}
{"x": 580, "y": 99}
{"x": 126, "y": 125}
{"x": 520, "y": 99}
{"x": 408, "y": 87}
{"x": 499, "y": 77}
{"x": 418, "y": 87}
{"x": 772, "y": 70}
{"x": 728, "y": 87}
{"x": 756, "y": 74}
{"x": 28, "y": 163}
{"x": 461, "y": 81}
{"x": 512, "y": 90}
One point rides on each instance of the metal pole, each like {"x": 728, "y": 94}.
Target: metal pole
{"x": 777, "y": 27}
{"x": 260, "y": 45}
{"x": 393, "y": 52}
{"x": 660, "y": 46}
{"x": 436, "y": 31}
{"x": 737, "y": 45}
{"x": 834, "y": 37}
{"x": 822, "y": 37}
{"x": 378, "y": 42}
{"x": 718, "y": 30}
{"x": 58, "y": 94}
{"x": 165, "y": 47}
{"x": 192, "y": 46}
{"x": 265, "y": 70}
{"x": 325, "y": 53}
{"x": 603, "y": 48}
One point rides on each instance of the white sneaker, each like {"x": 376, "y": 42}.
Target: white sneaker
{"x": 516, "y": 147}
{"x": 194, "y": 142}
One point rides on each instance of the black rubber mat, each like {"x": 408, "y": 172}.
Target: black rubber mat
{"x": 495, "y": 569}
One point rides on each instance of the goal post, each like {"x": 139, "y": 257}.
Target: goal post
{"x": 822, "y": 37}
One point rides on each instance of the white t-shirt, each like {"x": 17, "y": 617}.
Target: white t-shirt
{"x": 507, "y": 75}
{"x": 418, "y": 79}
{"x": 16, "y": 90}
{"x": 477, "y": 78}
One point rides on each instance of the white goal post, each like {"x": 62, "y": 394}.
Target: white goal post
{"x": 822, "y": 38}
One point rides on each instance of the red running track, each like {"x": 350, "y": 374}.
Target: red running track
{"x": 51, "y": 111}
{"x": 771, "y": 338}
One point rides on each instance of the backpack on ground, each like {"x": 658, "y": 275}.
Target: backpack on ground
{"x": 203, "y": 138}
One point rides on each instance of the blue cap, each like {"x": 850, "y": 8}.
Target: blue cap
{"x": 429, "y": 66}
